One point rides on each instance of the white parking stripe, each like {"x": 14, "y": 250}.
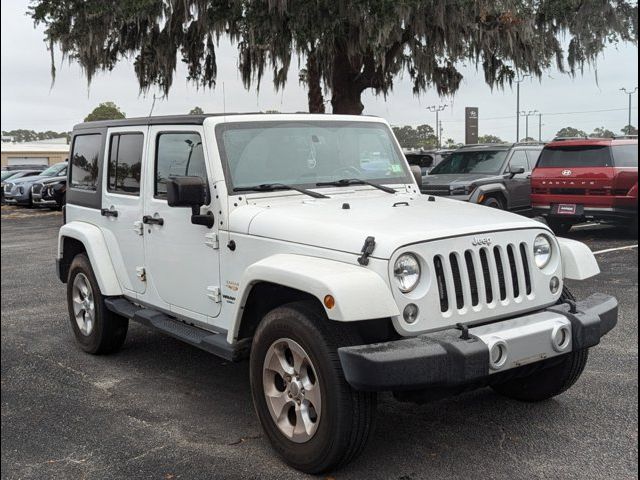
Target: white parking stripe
{"x": 628, "y": 247}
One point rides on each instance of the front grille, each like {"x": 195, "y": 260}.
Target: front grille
{"x": 482, "y": 276}
{"x": 37, "y": 188}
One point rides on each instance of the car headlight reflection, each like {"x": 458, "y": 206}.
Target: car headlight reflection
{"x": 407, "y": 272}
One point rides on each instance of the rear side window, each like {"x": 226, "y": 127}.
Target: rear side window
{"x": 625, "y": 155}
{"x": 84, "y": 161}
{"x": 533, "y": 156}
{"x": 177, "y": 155}
{"x": 125, "y": 161}
{"x": 576, "y": 156}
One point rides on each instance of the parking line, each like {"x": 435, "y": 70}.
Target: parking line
{"x": 628, "y": 247}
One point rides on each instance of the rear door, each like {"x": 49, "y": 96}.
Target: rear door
{"x": 122, "y": 204}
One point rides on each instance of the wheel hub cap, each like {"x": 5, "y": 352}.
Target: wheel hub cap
{"x": 83, "y": 305}
{"x": 292, "y": 390}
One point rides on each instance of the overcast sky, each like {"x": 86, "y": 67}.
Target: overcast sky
{"x": 29, "y": 102}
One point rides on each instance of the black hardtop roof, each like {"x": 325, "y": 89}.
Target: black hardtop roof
{"x": 175, "y": 119}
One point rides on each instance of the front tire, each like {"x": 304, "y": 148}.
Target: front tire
{"x": 546, "y": 383}
{"x": 493, "y": 202}
{"x": 97, "y": 329}
{"x": 327, "y": 425}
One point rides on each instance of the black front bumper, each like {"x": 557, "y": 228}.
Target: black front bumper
{"x": 444, "y": 359}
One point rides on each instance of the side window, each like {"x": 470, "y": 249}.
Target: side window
{"x": 533, "y": 158}
{"x": 177, "y": 154}
{"x": 625, "y": 155}
{"x": 84, "y": 161}
{"x": 125, "y": 162}
{"x": 519, "y": 159}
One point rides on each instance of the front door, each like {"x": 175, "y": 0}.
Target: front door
{"x": 520, "y": 185}
{"x": 181, "y": 259}
{"x": 122, "y": 205}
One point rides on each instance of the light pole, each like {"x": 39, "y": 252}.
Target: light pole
{"x": 539, "y": 127}
{"x": 630, "y": 93}
{"x": 518, "y": 81}
{"x": 437, "y": 109}
{"x": 526, "y": 115}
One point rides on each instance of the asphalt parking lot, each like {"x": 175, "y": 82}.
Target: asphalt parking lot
{"x": 162, "y": 409}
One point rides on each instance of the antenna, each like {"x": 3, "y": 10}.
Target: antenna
{"x": 153, "y": 104}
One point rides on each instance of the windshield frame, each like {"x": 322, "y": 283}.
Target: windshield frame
{"x": 221, "y": 128}
{"x": 448, "y": 158}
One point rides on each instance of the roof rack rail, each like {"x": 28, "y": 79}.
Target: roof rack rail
{"x": 622, "y": 137}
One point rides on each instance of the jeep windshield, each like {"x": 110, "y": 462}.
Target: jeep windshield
{"x": 305, "y": 153}
{"x": 576, "y": 156}
{"x": 482, "y": 162}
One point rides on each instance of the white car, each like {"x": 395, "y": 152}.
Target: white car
{"x": 276, "y": 238}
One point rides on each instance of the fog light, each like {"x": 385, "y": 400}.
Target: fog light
{"x": 560, "y": 338}
{"x": 497, "y": 355}
{"x": 554, "y": 285}
{"x": 410, "y": 313}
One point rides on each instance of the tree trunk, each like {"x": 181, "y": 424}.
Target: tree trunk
{"x": 314, "y": 94}
{"x": 345, "y": 88}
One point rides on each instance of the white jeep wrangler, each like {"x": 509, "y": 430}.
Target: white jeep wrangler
{"x": 303, "y": 243}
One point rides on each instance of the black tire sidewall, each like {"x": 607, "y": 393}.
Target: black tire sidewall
{"x": 493, "y": 202}
{"x": 89, "y": 343}
{"x": 299, "y": 325}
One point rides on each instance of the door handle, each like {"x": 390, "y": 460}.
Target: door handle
{"x": 149, "y": 220}
{"x": 107, "y": 212}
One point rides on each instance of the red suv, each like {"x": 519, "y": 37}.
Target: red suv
{"x": 587, "y": 179}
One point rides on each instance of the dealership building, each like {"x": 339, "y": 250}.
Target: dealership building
{"x": 45, "y": 152}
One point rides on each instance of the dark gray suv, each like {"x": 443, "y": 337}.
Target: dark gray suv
{"x": 496, "y": 175}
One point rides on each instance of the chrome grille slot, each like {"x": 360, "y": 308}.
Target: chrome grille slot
{"x": 457, "y": 280}
{"x": 442, "y": 285}
{"x": 486, "y": 274}
{"x": 473, "y": 281}
{"x": 514, "y": 271}
{"x": 37, "y": 188}
{"x": 502, "y": 284}
{"x": 525, "y": 265}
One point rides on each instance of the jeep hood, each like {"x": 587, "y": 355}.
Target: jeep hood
{"x": 394, "y": 221}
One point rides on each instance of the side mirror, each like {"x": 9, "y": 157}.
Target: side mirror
{"x": 190, "y": 192}
{"x": 417, "y": 174}
{"x": 513, "y": 171}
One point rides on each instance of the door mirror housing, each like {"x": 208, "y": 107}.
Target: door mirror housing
{"x": 190, "y": 192}
{"x": 186, "y": 192}
{"x": 513, "y": 171}
{"x": 417, "y": 174}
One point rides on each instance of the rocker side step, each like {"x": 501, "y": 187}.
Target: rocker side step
{"x": 215, "y": 343}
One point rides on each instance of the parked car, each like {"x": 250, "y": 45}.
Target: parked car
{"x": 495, "y": 175}
{"x": 262, "y": 237}
{"x": 426, "y": 159}
{"x": 14, "y": 175}
{"x": 50, "y": 192}
{"x": 587, "y": 179}
{"x": 24, "y": 167}
{"x": 18, "y": 192}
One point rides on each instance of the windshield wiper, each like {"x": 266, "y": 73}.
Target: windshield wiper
{"x": 355, "y": 181}
{"x": 270, "y": 187}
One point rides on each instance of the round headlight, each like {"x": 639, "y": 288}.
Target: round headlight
{"x": 542, "y": 251}
{"x": 407, "y": 272}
